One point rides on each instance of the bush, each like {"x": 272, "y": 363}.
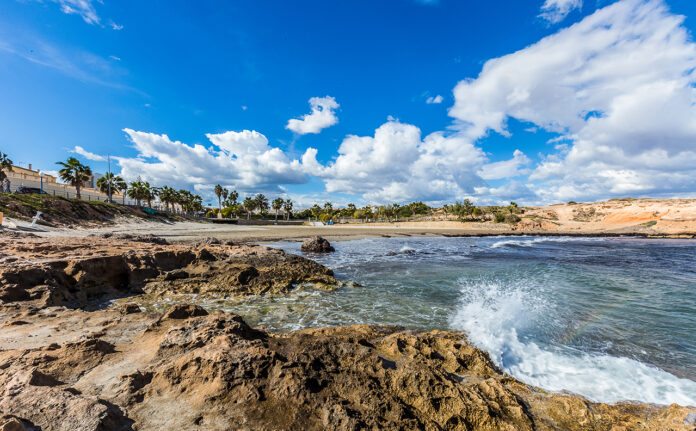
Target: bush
{"x": 512, "y": 219}
{"x": 499, "y": 218}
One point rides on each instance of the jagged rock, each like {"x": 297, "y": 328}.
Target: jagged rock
{"x": 317, "y": 245}
{"x": 130, "y": 308}
{"x": 181, "y": 311}
{"x": 86, "y": 272}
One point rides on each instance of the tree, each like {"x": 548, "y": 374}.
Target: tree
{"x": 168, "y": 196}
{"x": 74, "y": 173}
{"x": 5, "y": 165}
{"x": 218, "y": 192}
{"x": 109, "y": 183}
{"x": 261, "y": 203}
{"x": 190, "y": 203}
{"x": 150, "y": 194}
{"x": 512, "y": 207}
{"x": 287, "y": 206}
{"x": 122, "y": 187}
{"x": 277, "y": 205}
{"x": 140, "y": 191}
{"x": 315, "y": 211}
{"x": 232, "y": 200}
{"x": 249, "y": 205}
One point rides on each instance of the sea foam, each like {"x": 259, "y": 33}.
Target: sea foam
{"x": 492, "y": 316}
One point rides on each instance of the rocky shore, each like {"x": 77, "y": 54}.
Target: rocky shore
{"x": 69, "y": 363}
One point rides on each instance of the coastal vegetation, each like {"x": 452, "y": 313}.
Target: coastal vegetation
{"x": 258, "y": 205}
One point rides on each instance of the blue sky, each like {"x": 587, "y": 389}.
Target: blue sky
{"x": 536, "y": 102}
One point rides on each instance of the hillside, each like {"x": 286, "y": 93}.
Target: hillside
{"x": 645, "y": 216}
{"x": 61, "y": 212}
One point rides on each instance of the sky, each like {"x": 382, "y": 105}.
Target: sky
{"x": 370, "y": 102}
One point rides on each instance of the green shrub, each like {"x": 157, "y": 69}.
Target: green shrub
{"x": 499, "y": 218}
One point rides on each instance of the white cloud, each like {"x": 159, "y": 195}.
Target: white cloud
{"x": 618, "y": 87}
{"x": 434, "y": 99}
{"x": 396, "y": 165}
{"x": 86, "y": 154}
{"x": 84, "y": 8}
{"x": 243, "y": 160}
{"x": 321, "y": 117}
{"x": 113, "y": 57}
{"x": 115, "y": 26}
{"x": 554, "y": 11}
{"x": 506, "y": 168}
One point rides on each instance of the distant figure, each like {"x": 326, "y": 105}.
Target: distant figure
{"x": 6, "y": 185}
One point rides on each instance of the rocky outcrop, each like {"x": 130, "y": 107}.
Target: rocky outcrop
{"x": 193, "y": 370}
{"x": 85, "y": 272}
{"x": 317, "y": 244}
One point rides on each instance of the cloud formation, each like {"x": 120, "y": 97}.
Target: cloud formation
{"x": 397, "y": 165}
{"x": 555, "y": 11}
{"x": 434, "y": 99}
{"x": 243, "y": 160}
{"x": 321, "y": 117}
{"x": 86, "y": 154}
{"x": 618, "y": 88}
{"x": 83, "y": 8}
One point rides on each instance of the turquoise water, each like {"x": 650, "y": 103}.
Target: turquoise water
{"x": 609, "y": 318}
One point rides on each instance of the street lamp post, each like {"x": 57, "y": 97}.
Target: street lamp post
{"x": 41, "y": 176}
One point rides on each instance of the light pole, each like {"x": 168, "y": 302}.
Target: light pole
{"x": 41, "y": 176}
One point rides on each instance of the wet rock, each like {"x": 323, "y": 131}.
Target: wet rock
{"x": 130, "y": 308}
{"x": 317, "y": 245}
{"x": 181, "y": 311}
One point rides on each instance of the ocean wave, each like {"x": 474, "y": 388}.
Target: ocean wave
{"x": 492, "y": 316}
{"x": 531, "y": 242}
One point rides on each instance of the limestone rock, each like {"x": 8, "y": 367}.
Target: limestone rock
{"x": 317, "y": 245}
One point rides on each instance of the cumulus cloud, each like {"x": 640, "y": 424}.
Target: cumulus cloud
{"x": 86, "y": 154}
{"x": 506, "y": 168}
{"x": 554, "y": 11}
{"x": 434, "y": 99}
{"x": 397, "y": 164}
{"x": 243, "y": 160}
{"x": 618, "y": 88}
{"x": 321, "y": 117}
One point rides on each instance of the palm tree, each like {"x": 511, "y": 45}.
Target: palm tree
{"x": 152, "y": 193}
{"x": 74, "y": 173}
{"x": 287, "y": 206}
{"x": 122, "y": 187}
{"x": 316, "y": 211}
{"x": 218, "y": 192}
{"x": 249, "y": 205}
{"x": 277, "y": 204}
{"x": 168, "y": 196}
{"x": 261, "y": 203}
{"x": 139, "y": 190}
{"x": 5, "y": 165}
{"x": 108, "y": 183}
{"x": 232, "y": 200}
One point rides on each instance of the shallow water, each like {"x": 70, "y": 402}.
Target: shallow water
{"x": 609, "y": 318}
